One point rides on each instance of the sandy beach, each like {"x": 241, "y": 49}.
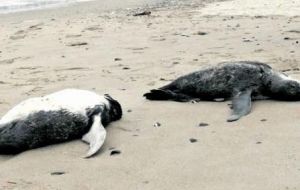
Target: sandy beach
{"x": 101, "y": 46}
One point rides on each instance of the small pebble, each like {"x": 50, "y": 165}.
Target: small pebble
{"x": 201, "y": 33}
{"x": 258, "y": 142}
{"x": 203, "y": 124}
{"x": 129, "y": 110}
{"x": 157, "y": 124}
{"x": 263, "y": 120}
{"x": 192, "y": 140}
{"x": 115, "y": 152}
{"x": 126, "y": 68}
{"x": 117, "y": 59}
{"x": 286, "y": 38}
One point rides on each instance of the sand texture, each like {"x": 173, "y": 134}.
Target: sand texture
{"x": 114, "y": 52}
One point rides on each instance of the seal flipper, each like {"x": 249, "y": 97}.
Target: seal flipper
{"x": 161, "y": 94}
{"x": 95, "y": 137}
{"x": 241, "y": 104}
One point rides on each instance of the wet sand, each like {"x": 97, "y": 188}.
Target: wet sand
{"x": 111, "y": 51}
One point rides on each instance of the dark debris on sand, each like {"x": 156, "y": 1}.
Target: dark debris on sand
{"x": 203, "y": 124}
{"x": 115, "y": 152}
{"x": 157, "y": 124}
{"x": 117, "y": 59}
{"x": 144, "y": 13}
{"x": 192, "y": 140}
{"x": 58, "y": 173}
{"x": 200, "y": 33}
{"x": 77, "y": 44}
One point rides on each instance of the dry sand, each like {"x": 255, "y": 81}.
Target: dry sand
{"x": 37, "y": 57}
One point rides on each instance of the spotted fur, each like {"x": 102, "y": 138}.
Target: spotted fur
{"x": 230, "y": 80}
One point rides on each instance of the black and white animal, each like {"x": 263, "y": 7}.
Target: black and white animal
{"x": 241, "y": 81}
{"x": 58, "y": 117}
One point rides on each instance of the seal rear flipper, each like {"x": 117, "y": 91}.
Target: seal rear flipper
{"x": 241, "y": 105}
{"x": 160, "y": 94}
{"x": 95, "y": 137}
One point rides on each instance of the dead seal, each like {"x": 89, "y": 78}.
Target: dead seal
{"x": 58, "y": 117}
{"x": 240, "y": 81}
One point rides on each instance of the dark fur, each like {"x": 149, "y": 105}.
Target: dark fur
{"x": 41, "y": 129}
{"x": 225, "y": 81}
{"x": 51, "y": 127}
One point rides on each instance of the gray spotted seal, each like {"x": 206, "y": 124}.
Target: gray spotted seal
{"x": 58, "y": 117}
{"x": 240, "y": 81}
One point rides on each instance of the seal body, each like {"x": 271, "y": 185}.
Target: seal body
{"x": 240, "y": 81}
{"x": 58, "y": 117}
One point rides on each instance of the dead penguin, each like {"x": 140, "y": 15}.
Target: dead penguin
{"x": 58, "y": 117}
{"x": 240, "y": 81}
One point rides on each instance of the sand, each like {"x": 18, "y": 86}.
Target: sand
{"x": 258, "y": 152}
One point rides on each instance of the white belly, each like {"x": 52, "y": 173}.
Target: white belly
{"x": 73, "y": 100}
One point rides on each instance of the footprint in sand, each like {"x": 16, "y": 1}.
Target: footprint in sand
{"x": 15, "y": 184}
{"x": 151, "y": 83}
{"x": 77, "y": 44}
{"x": 138, "y": 50}
{"x": 93, "y": 28}
{"x": 34, "y": 90}
{"x": 73, "y": 69}
{"x": 12, "y": 60}
{"x": 157, "y": 38}
{"x": 73, "y": 35}
{"x": 20, "y": 34}
{"x": 27, "y": 68}
{"x": 35, "y": 27}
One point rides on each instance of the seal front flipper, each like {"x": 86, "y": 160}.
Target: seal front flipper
{"x": 241, "y": 105}
{"x": 95, "y": 137}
